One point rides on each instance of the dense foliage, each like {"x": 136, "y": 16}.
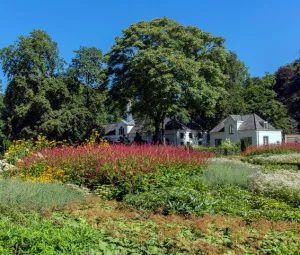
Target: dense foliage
{"x": 164, "y": 67}
{"x": 287, "y": 89}
{"x": 43, "y": 98}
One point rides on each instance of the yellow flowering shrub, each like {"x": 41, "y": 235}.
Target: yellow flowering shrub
{"x": 93, "y": 139}
{"x": 19, "y": 149}
{"x": 22, "y": 148}
{"x": 50, "y": 174}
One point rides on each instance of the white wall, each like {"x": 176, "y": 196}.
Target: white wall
{"x": 174, "y": 137}
{"x": 274, "y": 136}
{"x": 116, "y": 137}
{"x": 239, "y": 123}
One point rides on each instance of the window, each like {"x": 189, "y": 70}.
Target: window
{"x": 191, "y": 135}
{"x": 266, "y": 126}
{"x": 121, "y": 131}
{"x": 266, "y": 140}
{"x": 182, "y": 143}
{"x": 188, "y": 143}
{"x": 199, "y": 135}
{"x": 249, "y": 141}
{"x": 230, "y": 129}
{"x": 181, "y": 135}
{"x": 218, "y": 142}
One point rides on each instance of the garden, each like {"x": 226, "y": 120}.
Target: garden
{"x": 99, "y": 198}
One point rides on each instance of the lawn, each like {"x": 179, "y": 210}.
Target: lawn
{"x": 101, "y": 199}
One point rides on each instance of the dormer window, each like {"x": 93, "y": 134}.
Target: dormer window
{"x": 266, "y": 125}
{"x": 230, "y": 129}
{"x": 121, "y": 131}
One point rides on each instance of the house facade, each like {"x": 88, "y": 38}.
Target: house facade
{"x": 176, "y": 133}
{"x": 250, "y": 126}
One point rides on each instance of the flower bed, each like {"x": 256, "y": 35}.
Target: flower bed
{"x": 120, "y": 165}
{"x": 282, "y": 185}
{"x": 272, "y": 149}
{"x": 283, "y": 159}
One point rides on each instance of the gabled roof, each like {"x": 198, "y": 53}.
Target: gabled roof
{"x": 176, "y": 125}
{"x": 140, "y": 126}
{"x": 110, "y": 128}
{"x": 250, "y": 122}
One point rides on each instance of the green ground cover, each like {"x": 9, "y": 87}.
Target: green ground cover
{"x": 219, "y": 206}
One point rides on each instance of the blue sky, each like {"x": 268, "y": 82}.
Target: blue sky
{"x": 264, "y": 33}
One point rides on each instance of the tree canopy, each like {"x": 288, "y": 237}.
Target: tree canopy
{"x": 164, "y": 67}
{"x": 42, "y": 98}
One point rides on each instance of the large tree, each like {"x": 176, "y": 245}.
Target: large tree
{"x": 262, "y": 99}
{"x": 163, "y": 67}
{"x": 31, "y": 65}
{"x": 42, "y": 98}
{"x": 231, "y": 102}
{"x": 87, "y": 67}
{"x": 287, "y": 87}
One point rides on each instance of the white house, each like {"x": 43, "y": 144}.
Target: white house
{"x": 176, "y": 133}
{"x": 251, "y": 126}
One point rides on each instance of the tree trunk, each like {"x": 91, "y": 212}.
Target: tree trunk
{"x": 163, "y": 138}
{"x": 156, "y": 138}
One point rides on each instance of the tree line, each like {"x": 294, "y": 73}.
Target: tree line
{"x": 163, "y": 68}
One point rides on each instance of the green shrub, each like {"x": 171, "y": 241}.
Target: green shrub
{"x": 170, "y": 200}
{"x": 250, "y": 206}
{"x": 35, "y": 196}
{"x": 5, "y": 144}
{"x": 244, "y": 143}
{"x": 227, "y": 148}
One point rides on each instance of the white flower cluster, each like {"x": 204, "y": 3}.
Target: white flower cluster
{"x": 4, "y": 166}
{"x": 277, "y": 182}
{"x": 276, "y": 159}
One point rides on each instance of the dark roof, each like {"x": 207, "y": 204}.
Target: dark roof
{"x": 140, "y": 127}
{"x": 250, "y": 122}
{"x": 176, "y": 125}
{"x": 145, "y": 124}
{"x": 171, "y": 125}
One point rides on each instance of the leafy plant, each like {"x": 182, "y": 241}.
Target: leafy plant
{"x": 180, "y": 200}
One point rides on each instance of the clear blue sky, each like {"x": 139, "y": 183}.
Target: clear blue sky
{"x": 264, "y": 33}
